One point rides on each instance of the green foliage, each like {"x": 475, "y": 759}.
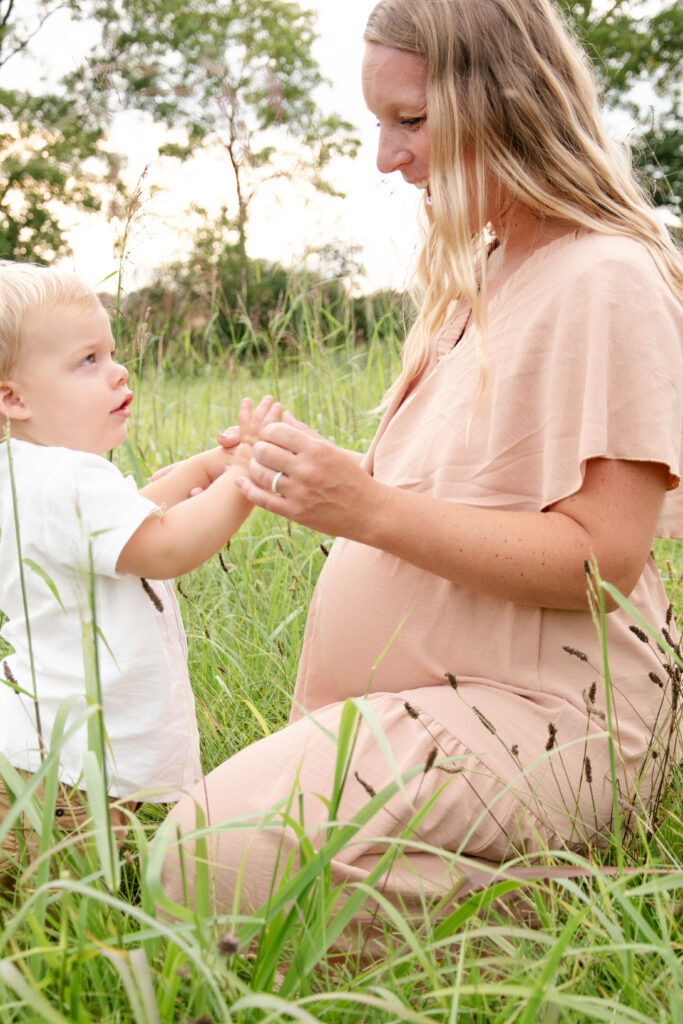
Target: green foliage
{"x": 632, "y": 42}
{"x": 240, "y": 75}
{"x": 52, "y": 147}
{"x": 46, "y": 141}
{"x": 16, "y": 30}
{"x": 220, "y": 306}
{"x": 603, "y": 945}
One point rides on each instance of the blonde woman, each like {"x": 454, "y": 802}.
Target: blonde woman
{"x": 535, "y": 429}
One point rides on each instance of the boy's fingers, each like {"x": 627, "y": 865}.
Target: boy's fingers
{"x": 274, "y": 413}
{"x": 163, "y": 471}
{"x": 229, "y": 437}
{"x": 267, "y": 411}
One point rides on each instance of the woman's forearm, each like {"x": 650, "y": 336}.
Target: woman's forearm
{"x": 526, "y": 557}
{"x": 532, "y": 558}
{"x": 529, "y": 557}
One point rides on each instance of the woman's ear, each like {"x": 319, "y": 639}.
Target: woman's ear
{"x": 11, "y": 404}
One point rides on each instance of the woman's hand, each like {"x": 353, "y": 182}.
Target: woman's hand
{"x": 531, "y": 558}
{"x": 251, "y": 423}
{"x": 319, "y": 484}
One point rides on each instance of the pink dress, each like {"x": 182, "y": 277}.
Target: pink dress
{"x": 506, "y": 702}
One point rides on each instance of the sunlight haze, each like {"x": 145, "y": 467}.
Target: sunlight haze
{"x": 287, "y": 219}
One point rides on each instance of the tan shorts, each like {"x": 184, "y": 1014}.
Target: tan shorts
{"x": 20, "y": 846}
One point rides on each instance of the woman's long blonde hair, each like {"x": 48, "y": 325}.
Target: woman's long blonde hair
{"x": 507, "y": 83}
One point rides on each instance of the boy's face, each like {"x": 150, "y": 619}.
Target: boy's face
{"x": 68, "y": 390}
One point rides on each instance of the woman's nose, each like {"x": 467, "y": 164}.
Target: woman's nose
{"x": 391, "y": 156}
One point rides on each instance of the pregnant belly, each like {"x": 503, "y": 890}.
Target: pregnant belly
{"x": 377, "y": 623}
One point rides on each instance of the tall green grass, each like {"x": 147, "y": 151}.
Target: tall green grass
{"x": 84, "y": 942}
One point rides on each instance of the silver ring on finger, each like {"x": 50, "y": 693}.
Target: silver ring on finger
{"x": 276, "y": 481}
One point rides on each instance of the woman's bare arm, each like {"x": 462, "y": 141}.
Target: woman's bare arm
{"x": 532, "y": 558}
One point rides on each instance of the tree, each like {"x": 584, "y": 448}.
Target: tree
{"x": 635, "y": 43}
{"x": 240, "y": 73}
{"x": 237, "y": 73}
{"x": 46, "y": 138}
{"x": 16, "y": 32}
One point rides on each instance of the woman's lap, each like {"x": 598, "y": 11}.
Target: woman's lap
{"x": 482, "y": 805}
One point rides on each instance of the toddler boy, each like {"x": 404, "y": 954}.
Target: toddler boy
{"x": 96, "y": 554}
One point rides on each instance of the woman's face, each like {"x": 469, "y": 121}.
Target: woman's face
{"x": 395, "y": 90}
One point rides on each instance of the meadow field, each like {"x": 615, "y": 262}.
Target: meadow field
{"x": 83, "y": 938}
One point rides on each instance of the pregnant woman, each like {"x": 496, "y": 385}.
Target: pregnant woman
{"x": 535, "y": 429}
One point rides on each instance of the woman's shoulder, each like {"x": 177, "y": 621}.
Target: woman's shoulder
{"x": 583, "y": 253}
{"x": 595, "y": 272}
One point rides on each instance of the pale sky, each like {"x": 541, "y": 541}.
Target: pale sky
{"x": 378, "y": 213}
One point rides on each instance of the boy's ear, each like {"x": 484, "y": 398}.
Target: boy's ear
{"x": 11, "y": 404}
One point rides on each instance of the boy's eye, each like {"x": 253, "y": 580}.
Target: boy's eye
{"x": 90, "y": 358}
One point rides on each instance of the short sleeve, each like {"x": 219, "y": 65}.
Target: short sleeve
{"x": 615, "y": 383}
{"x": 98, "y": 511}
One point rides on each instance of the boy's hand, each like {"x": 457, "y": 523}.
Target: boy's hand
{"x": 251, "y": 423}
{"x": 214, "y": 462}
{"x": 217, "y": 460}
{"x": 229, "y": 438}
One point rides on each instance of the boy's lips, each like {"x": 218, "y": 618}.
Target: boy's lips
{"x": 122, "y": 409}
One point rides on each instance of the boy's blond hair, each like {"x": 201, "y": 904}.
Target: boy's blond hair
{"x": 25, "y": 287}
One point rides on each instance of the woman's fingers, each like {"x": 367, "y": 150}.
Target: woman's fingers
{"x": 269, "y": 412}
{"x": 264, "y": 496}
{"x": 292, "y": 421}
{"x": 289, "y": 438}
{"x": 271, "y": 460}
{"x": 319, "y": 485}
{"x": 296, "y": 473}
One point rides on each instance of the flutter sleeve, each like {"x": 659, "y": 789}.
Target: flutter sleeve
{"x": 615, "y": 375}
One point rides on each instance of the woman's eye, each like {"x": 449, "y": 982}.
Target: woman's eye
{"x": 413, "y": 122}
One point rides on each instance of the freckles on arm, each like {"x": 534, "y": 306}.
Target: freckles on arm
{"x": 530, "y": 558}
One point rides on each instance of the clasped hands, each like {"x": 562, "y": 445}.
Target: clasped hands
{"x": 320, "y": 484}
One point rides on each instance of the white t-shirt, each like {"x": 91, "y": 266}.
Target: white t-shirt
{"x": 68, "y": 502}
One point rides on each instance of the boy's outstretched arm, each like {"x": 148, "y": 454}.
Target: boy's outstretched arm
{"x": 194, "y": 529}
{"x": 192, "y": 475}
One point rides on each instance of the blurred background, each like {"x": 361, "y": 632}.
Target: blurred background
{"x": 141, "y": 137}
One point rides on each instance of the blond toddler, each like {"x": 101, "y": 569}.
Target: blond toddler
{"x": 89, "y": 541}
